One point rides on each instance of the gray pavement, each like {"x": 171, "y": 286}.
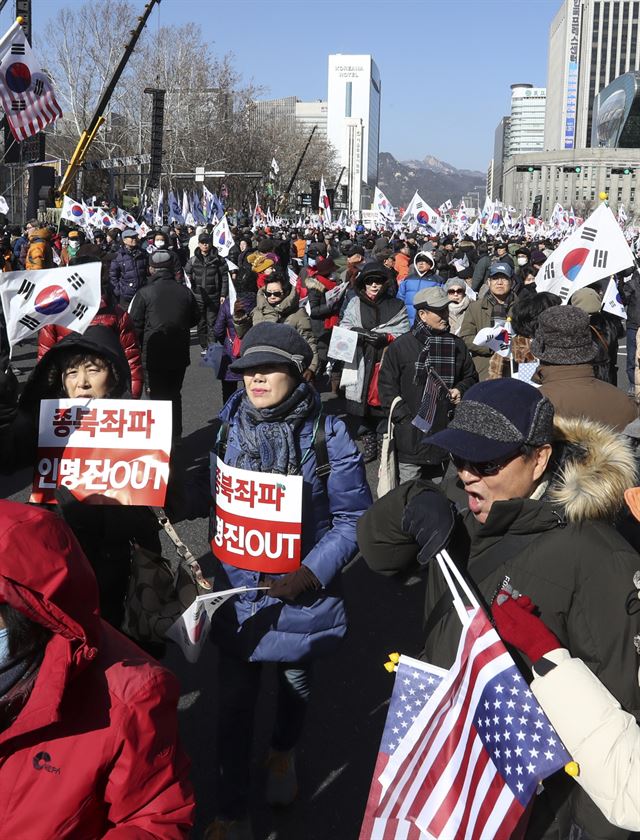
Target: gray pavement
{"x": 351, "y": 688}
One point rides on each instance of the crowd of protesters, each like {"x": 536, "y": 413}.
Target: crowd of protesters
{"x": 522, "y": 466}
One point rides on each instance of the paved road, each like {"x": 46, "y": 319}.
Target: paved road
{"x": 338, "y": 749}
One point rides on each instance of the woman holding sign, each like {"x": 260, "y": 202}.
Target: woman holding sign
{"x": 290, "y": 487}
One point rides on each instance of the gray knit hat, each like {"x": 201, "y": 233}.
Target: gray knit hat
{"x": 564, "y": 337}
{"x": 455, "y": 283}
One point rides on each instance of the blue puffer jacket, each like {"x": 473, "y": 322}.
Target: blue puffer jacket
{"x": 411, "y": 285}
{"x": 259, "y": 628}
{"x": 128, "y": 271}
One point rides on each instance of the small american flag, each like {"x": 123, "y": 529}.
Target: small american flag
{"x": 471, "y": 762}
{"x": 414, "y": 684}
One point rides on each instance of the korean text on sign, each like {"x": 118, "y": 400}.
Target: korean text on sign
{"x": 104, "y": 451}
{"x": 258, "y": 519}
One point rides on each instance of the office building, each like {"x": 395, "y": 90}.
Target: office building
{"x": 500, "y": 154}
{"x": 526, "y": 126}
{"x": 290, "y": 112}
{"x": 534, "y": 182}
{"x": 591, "y": 43}
{"x": 353, "y": 93}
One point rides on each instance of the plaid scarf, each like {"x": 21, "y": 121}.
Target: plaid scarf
{"x": 438, "y": 354}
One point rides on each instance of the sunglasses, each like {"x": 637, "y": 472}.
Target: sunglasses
{"x": 274, "y": 294}
{"x": 455, "y": 292}
{"x": 483, "y": 468}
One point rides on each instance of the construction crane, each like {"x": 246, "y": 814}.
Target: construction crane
{"x": 87, "y": 136}
{"x": 284, "y": 198}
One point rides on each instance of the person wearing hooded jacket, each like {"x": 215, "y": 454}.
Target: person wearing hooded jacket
{"x": 91, "y": 365}
{"x": 89, "y": 742}
{"x": 271, "y": 426}
{"x": 378, "y": 318}
{"x": 39, "y": 251}
{"x": 422, "y": 276}
{"x": 209, "y": 277}
{"x": 163, "y": 313}
{"x": 111, "y": 315}
{"x": 533, "y": 501}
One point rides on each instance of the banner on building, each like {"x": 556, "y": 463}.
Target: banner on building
{"x": 104, "y": 451}
{"x": 258, "y": 519}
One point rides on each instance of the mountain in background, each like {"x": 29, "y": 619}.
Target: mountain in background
{"x": 435, "y": 180}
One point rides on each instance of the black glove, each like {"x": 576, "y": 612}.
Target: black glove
{"x": 375, "y": 339}
{"x": 429, "y": 518}
{"x": 292, "y": 585}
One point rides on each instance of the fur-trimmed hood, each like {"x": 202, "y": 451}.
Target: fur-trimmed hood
{"x": 594, "y": 467}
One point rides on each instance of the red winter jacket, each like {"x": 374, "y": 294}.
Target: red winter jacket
{"x": 93, "y": 752}
{"x": 116, "y": 318}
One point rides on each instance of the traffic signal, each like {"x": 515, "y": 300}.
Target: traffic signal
{"x": 574, "y": 170}
{"x": 622, "y": 170}
{"x": 528, "y": 168}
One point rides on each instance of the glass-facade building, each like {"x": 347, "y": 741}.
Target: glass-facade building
{"x": 616, "y": 114}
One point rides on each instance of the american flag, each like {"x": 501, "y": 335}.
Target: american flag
{"x": 472, "y": 760}
{"x": 415, "y": 683}
{"x": 26, "y": 92}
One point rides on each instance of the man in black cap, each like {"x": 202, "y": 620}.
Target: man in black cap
{"x": 533, "y": 502}
{"x": 209, "y": 277}
{"x": 163, "y": 313}
{"x": 428, "y": 363}
{"x": 128, "y": 269}
{"x": 566, "y": 346}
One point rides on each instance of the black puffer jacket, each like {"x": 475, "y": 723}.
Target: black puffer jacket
{"x": 630, "y": 294}
{"x": 208, "y": 275}
{"x": 128, "y": 271}
{"x": 397, "y": 379}
{"x": 163, "y": 312}
{"x": 562, "y": 551}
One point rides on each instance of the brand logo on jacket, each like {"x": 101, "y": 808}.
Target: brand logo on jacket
{"x": 42, "y": 761}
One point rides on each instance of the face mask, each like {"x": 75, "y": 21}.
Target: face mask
{"x": 4, "y": 647}
{"x": 522, "y": 260}
{"x": 72, "y": 248}
{"x": 159, "y": 244}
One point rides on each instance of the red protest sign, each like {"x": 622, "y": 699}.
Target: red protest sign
{"x": 104, "y": 451}
{"x": 258, "y": 520}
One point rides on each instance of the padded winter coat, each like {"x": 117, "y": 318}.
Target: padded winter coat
{"x": 39, "y": 252}
{"x": 602, "y": 738}
{"x": 411, "y": 285}
{"x": 128, "y": 271}
{"x": 564, "y": 553}
{"x": 259, "y": 628}
{"x": 209, "y": 276}
{"x": 117, "y": 319}
{"x": 94, "y": 749}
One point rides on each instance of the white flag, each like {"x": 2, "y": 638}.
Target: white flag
{"x": 383, "y": 206}
{"x": 612, "y": 302}
{"x": 185, "y": 206}
{"x": 274, "y": 166}
{"x": 73, "y": 211}
{"x": 323, "y": 203}
{"x": 419, "y": 211}
{"x": 597, "y": 249}
{"x": 222, "y": 238}
{"x": 157, "y": 219}
{"x": 66, "y": 296}
{"x": 4, "y": 207}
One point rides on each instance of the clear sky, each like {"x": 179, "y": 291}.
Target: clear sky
{"x": 446, "y": 65}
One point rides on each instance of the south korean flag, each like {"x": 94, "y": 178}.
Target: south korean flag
{"x": 597, "y": 249}
{"x": 68, "y": 296}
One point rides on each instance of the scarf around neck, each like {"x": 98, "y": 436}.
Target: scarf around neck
{"x": 265, "y": 437}
{"x": 438, "y": 354}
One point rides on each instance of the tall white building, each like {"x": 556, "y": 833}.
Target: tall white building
{"x": 353, "y": 94}
{"x": 591, "y": 42}
{"x": 526, "y": 126}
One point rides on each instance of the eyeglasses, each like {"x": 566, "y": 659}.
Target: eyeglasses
{"x": 274, "y": 294}
{"x": 483, "y": 468}
{"x": 455, "y": 292}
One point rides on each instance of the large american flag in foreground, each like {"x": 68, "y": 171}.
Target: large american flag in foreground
{"x": 472, "y": 755}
